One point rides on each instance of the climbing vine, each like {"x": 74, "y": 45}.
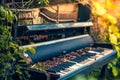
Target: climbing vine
{"x": 11, "y": 59}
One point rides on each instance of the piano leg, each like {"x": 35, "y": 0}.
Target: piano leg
{"x": 103, "y": 72}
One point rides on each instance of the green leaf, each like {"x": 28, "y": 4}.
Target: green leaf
{"x": 110, "y": 65}
{"x": 10, "y": 18}
{"x": 113, "y": 39}
{"x": 15, "y": 17}
{"x": 117, "y": 34}
{"x": 80, "y": 77}
{"x": 43, "y": 68}
{"x": 43, "y": 2}
{"x": 114, "y": 62}
{"x": 114, "y": 71}
{"x": 1, "y": 8}
{"x": 24, "y": 49}
{"x": 10, "y": 14}
{"x": 111, "y": 18}
{"x": 118, "y": 51}
{"x": 32, "y": 50}
{"x": 92, "y": 78}
{"x": 22, "y": 61}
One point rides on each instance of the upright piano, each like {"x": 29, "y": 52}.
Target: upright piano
{"x": 65, "y": 56}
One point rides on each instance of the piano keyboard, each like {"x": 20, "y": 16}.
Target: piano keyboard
{"x": 72, "y": 63}
{"x": 80, "y": 63}
{"x": 67, "y": 67}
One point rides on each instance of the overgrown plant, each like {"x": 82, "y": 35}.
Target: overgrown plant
{"x": 11, "y": 59}
{"x": 106, "y": 14}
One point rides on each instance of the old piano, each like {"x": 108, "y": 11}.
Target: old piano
{"x": 68, "y": 50}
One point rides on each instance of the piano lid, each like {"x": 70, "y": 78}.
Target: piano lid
{"x": 58, "y": 26}
{"x": 47, "y": 50}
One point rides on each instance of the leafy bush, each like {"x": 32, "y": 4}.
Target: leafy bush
{"x": 105, "y": 15}
{"x": 11, "y": 58}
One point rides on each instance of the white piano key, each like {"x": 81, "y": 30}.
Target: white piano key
{"x": 60, "y": 73}
{"x": 74, "y": 67}
{"x": 93, "y": 52}
{"x": 67, "y": 70}
{"x": 88, "y": 61}
{"x": 106, "y": 52}
{"x": 63, "y": 72}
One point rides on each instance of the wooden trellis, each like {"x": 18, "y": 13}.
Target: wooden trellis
{"x": 19, "y": 4}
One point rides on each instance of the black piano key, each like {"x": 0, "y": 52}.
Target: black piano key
{"x": 78, "y": 59}
{"x": 65, "y": 64}
{"x": 82, "y": 58}
{"x": 90, "y": 54}
{"x": 60, "y": 67}
{"x": 99, "y": 50}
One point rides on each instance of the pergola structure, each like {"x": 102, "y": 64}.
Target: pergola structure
{"x": 19, "y": 4}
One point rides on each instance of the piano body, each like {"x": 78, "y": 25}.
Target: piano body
{"x": 67, "y": 56}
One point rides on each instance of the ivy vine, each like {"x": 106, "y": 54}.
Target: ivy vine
{"x": 10, "y": 56}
